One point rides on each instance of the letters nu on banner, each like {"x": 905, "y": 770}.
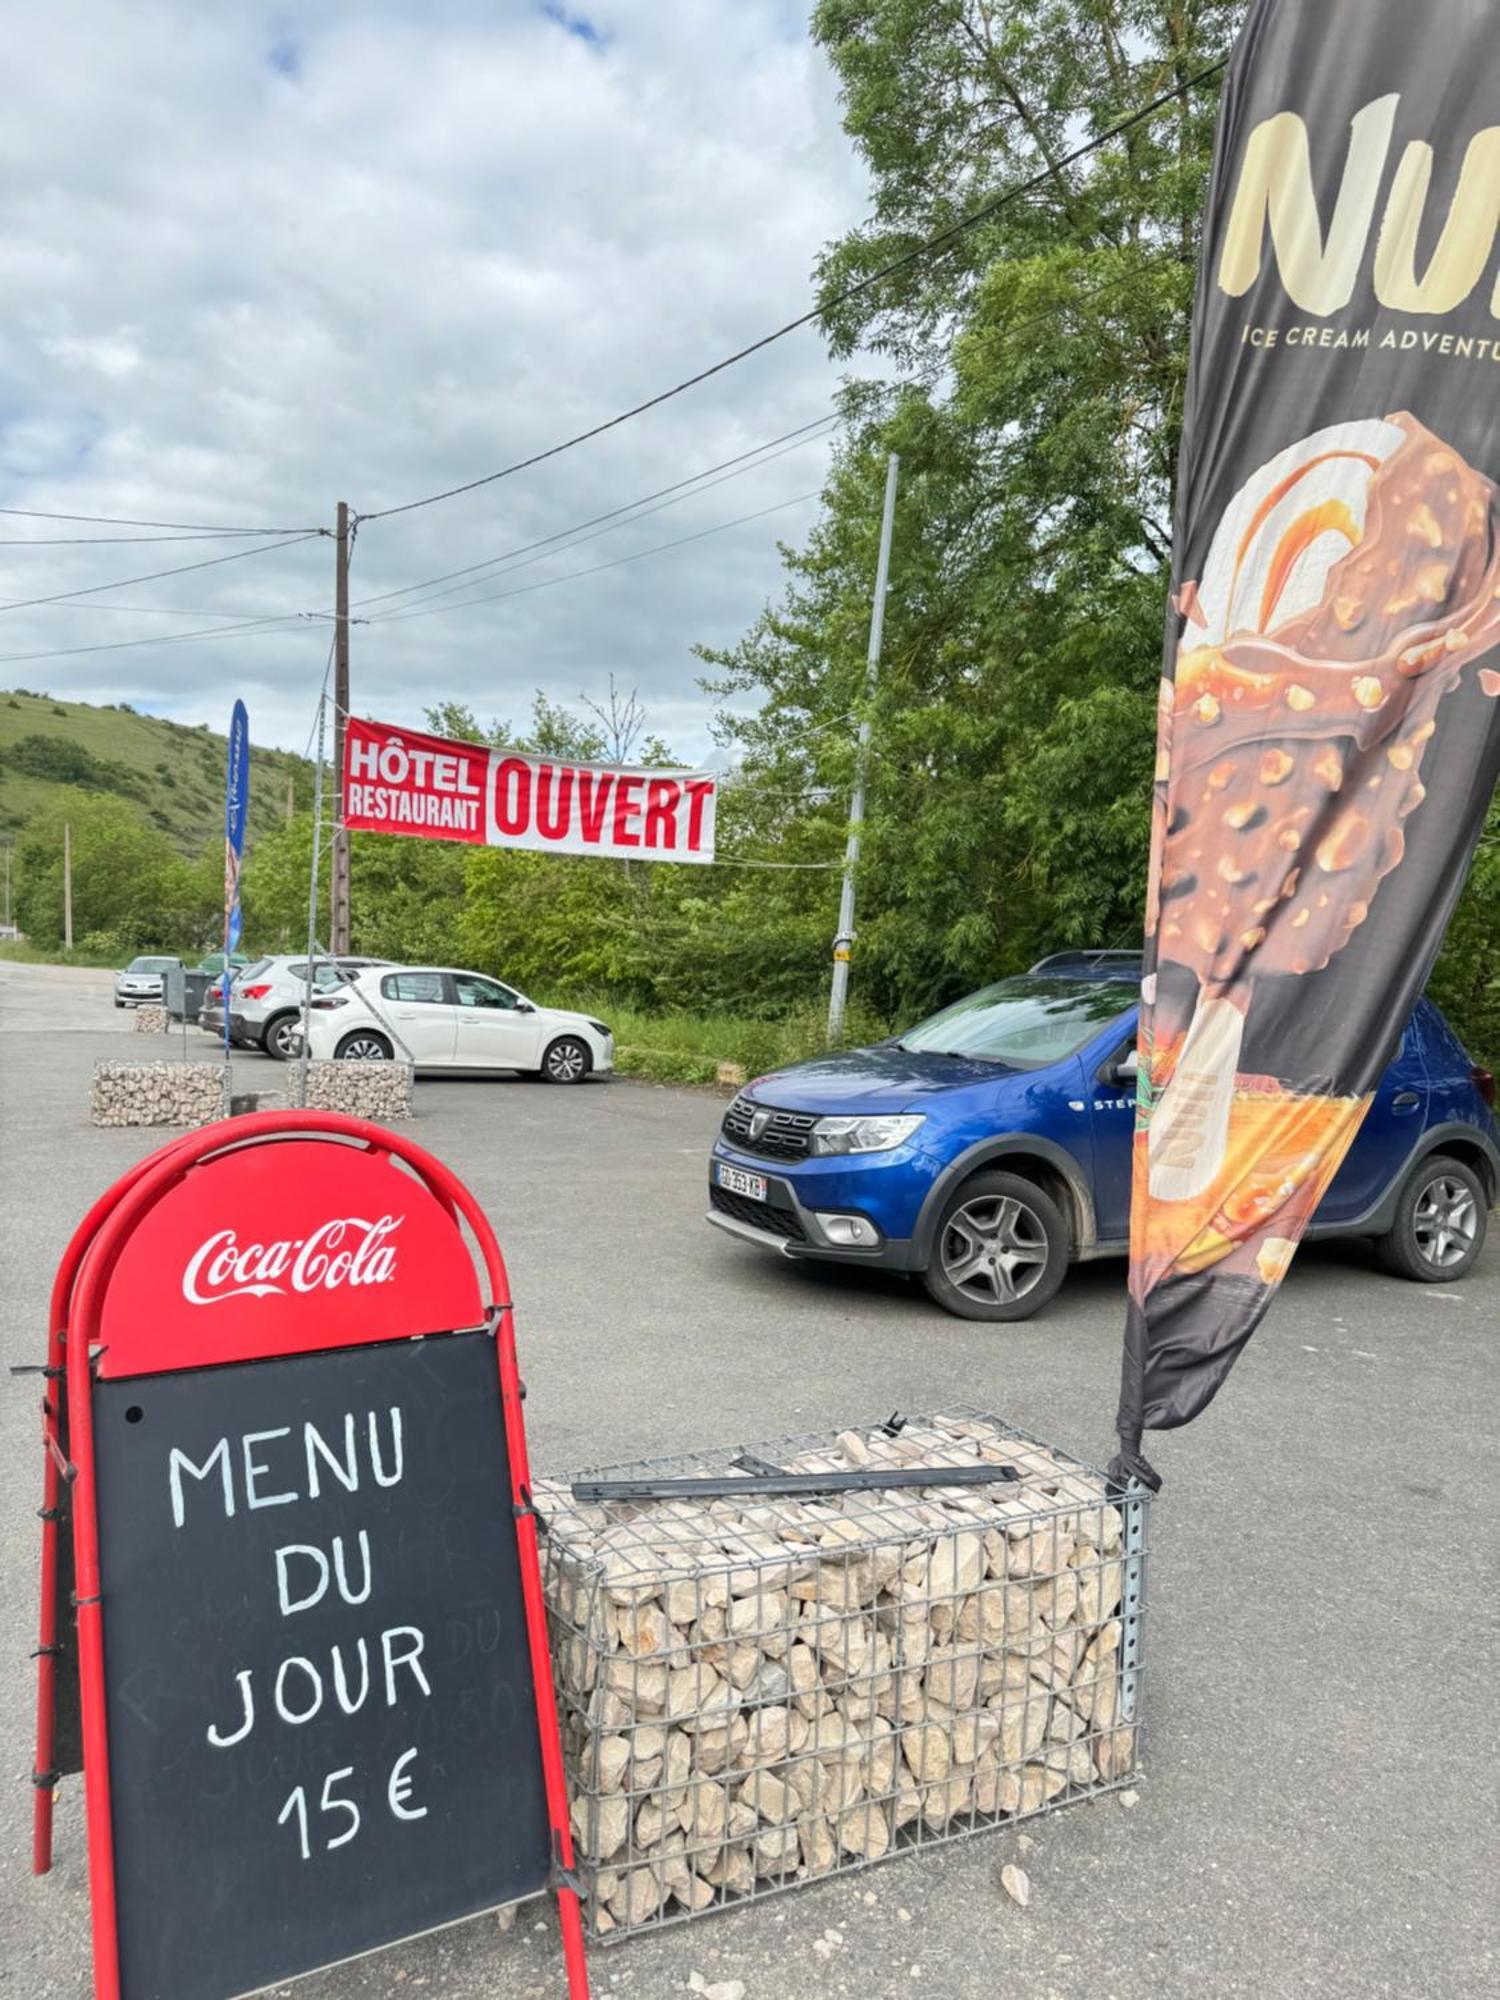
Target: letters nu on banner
{"x": 1329, "y": 733}
{"x": 399, "y": 781}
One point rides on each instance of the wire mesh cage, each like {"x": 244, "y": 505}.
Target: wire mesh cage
{"x": 759, "y": 1690}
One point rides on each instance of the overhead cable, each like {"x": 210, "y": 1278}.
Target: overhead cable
{"x": 803, "y": 434}
{"x": 126, "y": 521}
{"x": 572, "y": 575}
{"x": 153, "y": 576}
{"x": 937, "y": 241}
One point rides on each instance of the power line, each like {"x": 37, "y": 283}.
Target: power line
{"x": 256, "y": 627}
{"x": 571, "y": 576}
{"x": 820, "y": 311}
{"x": 322, "y": 697}
{"x": 152, "y": 576}
{"x": 740, "y": 861}
{"x": 803, "y": 434}
{"x": 610, "y": 528}
{"x": 280, "y": 625}
{"x": 185, "y": 611}
{"x": 125, "y": 521}
{"x": 111, "y": 541}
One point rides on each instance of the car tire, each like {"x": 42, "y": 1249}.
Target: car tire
{"x": 997, "y": 1215}
{"x": 274, "y": 1042}
{"x": 119, "y": 1003}
{"x": 567, "y": 1060}
{"x": 364, "y": 1045}
{"x": 1439, "y": 1229}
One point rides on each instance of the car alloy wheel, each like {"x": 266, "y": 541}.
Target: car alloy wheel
{"x": 1445, "y": 1221}
{"x": 567, "y": 1061}
{"x": 364, "y": 1048}
{"x": 278, "y": 1037}
{"x": 994, "y": 1249}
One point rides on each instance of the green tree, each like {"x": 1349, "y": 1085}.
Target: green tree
{"x": 129, "y": 883}
{"x": 1040, "y": 361}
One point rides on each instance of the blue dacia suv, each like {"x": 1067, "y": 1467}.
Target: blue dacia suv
{"x": 989, "y": 1147}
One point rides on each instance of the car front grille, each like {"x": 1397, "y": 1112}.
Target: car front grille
{"x": 787, "y": 1135}
{"x": 758, "y": 1214}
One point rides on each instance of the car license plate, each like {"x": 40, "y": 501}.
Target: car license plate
{"x": 734, "y": 1180}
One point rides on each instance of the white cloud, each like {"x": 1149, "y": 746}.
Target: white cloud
{"x": 255, "y": 262}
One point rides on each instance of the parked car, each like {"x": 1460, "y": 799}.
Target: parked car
{"x": 211, "y": 1007}
{"x": 439, "y": 1018}
{"x": 265, "y": 1001}
{"x": 144, "y": 980}
{"x": 213, "y": 961}
{"x": 987, "y": 1148}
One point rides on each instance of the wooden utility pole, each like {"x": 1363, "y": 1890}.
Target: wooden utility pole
{"x": 291, "y": 797}
{"x": 67, "y": 885}
{"x": 843, "y": 943}
{"x": 338, "y": 916}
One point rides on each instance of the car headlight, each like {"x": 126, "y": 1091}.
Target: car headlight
{"x": 864, "y": 1135}
{"x": 599, "y": 1028}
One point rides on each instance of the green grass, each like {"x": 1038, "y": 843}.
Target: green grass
{"x": 18, "y": 952}
{"x": 175, "y": 773}
{"x": 688, "y": 1048}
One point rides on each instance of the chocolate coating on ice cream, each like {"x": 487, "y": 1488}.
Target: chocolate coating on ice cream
{"x": 1296, "y": 752}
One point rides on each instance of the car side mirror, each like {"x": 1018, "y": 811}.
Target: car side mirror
{"x": 1122, "y": 1074}
{"x": 525, "y": 1007}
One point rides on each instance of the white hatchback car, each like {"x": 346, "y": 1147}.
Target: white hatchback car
{"x": 438, "y": 1018}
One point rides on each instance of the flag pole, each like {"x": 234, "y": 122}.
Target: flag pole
{"x": 843, "y": 943}
{"x": 312, "y": 899}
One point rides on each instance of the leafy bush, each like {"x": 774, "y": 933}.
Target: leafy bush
{"x": 103, "y": 944}
{"x": 63, "y": 762}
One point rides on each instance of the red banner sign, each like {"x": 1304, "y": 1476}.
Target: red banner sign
{"x": 399, "y": 781}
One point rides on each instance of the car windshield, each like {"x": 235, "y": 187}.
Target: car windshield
{"x": 1022, "y": 1023}
{"x": 151, "y": 965}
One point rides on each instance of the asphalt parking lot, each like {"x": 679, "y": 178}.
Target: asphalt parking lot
{"x": 1318, "y": 1814}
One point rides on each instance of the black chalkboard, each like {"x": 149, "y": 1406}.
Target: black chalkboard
{"x": 241, "y": 1863}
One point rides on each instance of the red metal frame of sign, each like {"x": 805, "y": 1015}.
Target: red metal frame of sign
{"x": 55, "y": 1465}
{"x": 114, "y": 1291}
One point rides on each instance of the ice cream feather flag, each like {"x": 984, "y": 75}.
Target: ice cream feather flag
{"x": 1329, "y": 733}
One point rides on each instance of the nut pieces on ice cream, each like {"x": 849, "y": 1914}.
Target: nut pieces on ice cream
{"x": 1347, "y": 587}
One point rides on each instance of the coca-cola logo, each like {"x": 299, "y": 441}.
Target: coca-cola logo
{"x": 347, "y": 1250}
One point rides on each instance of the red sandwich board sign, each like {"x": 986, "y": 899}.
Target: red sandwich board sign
{"x": 284, "y": 1421}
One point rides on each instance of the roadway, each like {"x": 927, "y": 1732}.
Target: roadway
{"x": 1318, "y": 1812}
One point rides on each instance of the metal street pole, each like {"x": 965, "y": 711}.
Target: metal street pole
{"x": 67, "y": 885}
{"x": 338, "y": 916}
{"x": 843, "y": 943}
{"x": 312, "y": 901}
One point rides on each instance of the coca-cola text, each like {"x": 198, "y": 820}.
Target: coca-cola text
{"x": 347, "y": 1250}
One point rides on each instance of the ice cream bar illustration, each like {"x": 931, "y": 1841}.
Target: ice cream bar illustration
{"x": 1348, "y": 585}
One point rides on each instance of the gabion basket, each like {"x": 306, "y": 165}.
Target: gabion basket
{"x": 759, "y": 1691}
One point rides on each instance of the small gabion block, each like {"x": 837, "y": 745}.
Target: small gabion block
{"x": 158, "y": 1093}
{"x": 380, "y": 1091}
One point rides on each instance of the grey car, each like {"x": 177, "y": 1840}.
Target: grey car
{"x": 144, "y": 981}
{"x": 265, "y": 1002}
{"x": 211, "y": 1010}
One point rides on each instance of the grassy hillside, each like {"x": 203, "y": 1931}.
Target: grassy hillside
{"x": 171, "y": 773}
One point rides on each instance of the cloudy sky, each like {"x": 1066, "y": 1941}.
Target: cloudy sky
{"x": 255, "y": 261}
